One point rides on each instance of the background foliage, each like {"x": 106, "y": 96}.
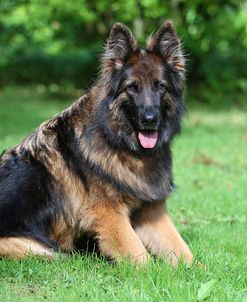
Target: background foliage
{"x": 59, "y": 41}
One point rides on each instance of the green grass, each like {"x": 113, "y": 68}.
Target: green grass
{"x": 209, "y": 208}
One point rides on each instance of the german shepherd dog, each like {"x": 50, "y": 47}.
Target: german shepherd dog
{"x": 103, "y": 167}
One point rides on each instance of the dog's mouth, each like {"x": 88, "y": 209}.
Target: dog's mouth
{"x": 148, "y": 139}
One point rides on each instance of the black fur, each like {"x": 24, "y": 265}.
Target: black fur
{"x": 169, "y": 123}
{"x": 28, "y": 201}
{"x": 69, "y": 147}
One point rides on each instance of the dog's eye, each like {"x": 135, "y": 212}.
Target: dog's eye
{"x": 160, "y": 85}
{"x": 132, "y": 88}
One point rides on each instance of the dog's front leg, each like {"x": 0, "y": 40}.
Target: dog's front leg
{"x": 117, "y": 238}
{"x": 157, "y": 232}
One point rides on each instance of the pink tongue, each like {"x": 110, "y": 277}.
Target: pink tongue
{"x": 148, "y": 139}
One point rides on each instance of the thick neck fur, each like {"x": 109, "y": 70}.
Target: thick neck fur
{"x": 147, "y": 178}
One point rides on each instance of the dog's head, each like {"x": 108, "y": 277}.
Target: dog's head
{"x": 142, "y": 105}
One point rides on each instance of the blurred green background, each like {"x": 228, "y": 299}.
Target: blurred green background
{"x": 59, "y": 41}
{"x": 49, "y": 54}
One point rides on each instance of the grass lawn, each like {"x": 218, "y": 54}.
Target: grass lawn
{"x": 209, "y": 208}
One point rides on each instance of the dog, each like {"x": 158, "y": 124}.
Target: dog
{"x": 103, "y": 167}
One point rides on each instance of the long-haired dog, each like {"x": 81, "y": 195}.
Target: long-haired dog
{"x": 103, "y": 167}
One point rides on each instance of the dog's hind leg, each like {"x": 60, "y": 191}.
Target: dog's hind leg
{"x": 20, "y": 247}
{"x": 157, "y": 232}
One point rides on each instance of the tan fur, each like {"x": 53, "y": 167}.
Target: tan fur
{"x": 124, "y": 167}
{"x": 117, "y": 238}
{"x": 63, "y": 233}
{"x": 157, "y": 232}
{"x": 20, "y": 247}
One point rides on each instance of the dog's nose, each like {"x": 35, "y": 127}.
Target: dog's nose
{"x": 150, "y": 118}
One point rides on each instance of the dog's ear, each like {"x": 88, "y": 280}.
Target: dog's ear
{"x": 167, "y": 44}
{"x": 119, "y": 46}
